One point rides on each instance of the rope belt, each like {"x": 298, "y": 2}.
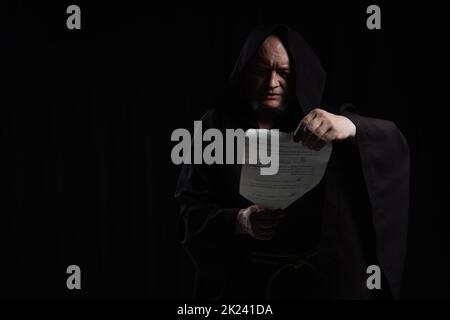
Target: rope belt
{"x": 283, "y": 262}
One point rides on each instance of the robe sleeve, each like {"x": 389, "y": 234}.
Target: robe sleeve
{"x": 202, "y": 214}
{"x": 385, "y": 162}
{"x": 209, "y": 226}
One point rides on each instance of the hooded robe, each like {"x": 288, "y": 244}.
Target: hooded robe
{"x": 357, "y": 216}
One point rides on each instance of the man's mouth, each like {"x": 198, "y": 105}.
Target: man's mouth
{"x": 272, "y": 96}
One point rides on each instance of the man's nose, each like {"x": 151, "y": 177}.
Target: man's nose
{"x": 273, "y": 80}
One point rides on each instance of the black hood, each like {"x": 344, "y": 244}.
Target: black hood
{"x": 308, "y": 72}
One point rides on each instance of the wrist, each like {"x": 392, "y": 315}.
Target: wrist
{"x": 351, "y": 129}
{"x": 242, "y": 223}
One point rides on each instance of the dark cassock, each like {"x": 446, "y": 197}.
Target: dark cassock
{"x": 357, "y": 216}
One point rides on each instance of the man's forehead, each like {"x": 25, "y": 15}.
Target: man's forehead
{"x": 272, "y": 48}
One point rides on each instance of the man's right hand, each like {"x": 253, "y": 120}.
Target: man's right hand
{"x": 259, "y": 222}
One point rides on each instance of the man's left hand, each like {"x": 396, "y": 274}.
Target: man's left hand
{"x": 320, "y": 127}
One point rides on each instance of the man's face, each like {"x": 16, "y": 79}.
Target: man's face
{"x": 269, "y": 74}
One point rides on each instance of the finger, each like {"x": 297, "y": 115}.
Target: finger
{"x": 299, "y": 132}
{"x": 324, "y": 127}
{"x": 301, "y": 129}
{"x": 309, "y": 140}
{"x": 310, "y": 116}
{"x": 265, "y": 210}
{"x": 266, "y": 223}
{"x": 319, "y": 145}
{"x": 264, "y": 228}
{"x": 269, "y": 214}
{"x": 260, "y": 209}
{"x": 314, "y": 124}
{"x": 309, "y": 136}
{"x": 263, "y": 233}
{"x": 321, "y": 132}
{"x": 305, "y": 137}
{"x": 264, "y": 238}
{"x": 256, "y": 207}
{"x": 329, "y": 136}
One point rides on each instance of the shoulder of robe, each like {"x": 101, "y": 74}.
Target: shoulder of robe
{"x": 209, "y": 118}
{"x": 348, "y": 109}
{"x": 215, "y": 118}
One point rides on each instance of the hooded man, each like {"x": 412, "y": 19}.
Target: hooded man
{"x": 320, "y": 246}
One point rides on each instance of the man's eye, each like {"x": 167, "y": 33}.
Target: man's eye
{"x": 259, "y": 71}
{"x": 284, "y": 73}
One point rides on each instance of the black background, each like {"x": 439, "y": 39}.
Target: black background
{"x": 86, "y": 117}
